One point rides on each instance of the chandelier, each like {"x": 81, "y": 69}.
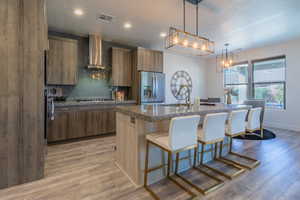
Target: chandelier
{"x": 226, "y": 59}
{"x": 183, "y": 41}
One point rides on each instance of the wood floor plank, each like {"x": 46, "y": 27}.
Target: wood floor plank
{"x": 86, "y": 170}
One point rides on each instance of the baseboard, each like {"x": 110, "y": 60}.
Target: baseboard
{"x": 282, "y": 126}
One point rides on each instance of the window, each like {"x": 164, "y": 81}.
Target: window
{"x": 269, "y": 81}
{"x": 236, "y": 78}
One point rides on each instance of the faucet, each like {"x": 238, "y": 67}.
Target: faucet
{"x": 188, "y": 99}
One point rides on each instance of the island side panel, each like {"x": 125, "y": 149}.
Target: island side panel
{"x": 127, "y": 147}
{"x": 131, "y": 147}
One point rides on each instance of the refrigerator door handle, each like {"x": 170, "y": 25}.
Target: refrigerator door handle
{"x": 156, "y": 85}
{"x": 52, "y": 113}
{"x": 153, "y": 86}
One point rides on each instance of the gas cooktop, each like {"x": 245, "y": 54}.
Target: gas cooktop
{"x": 93, "y": 99}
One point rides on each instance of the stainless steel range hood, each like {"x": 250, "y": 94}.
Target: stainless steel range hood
{"x": 95, "y": 52}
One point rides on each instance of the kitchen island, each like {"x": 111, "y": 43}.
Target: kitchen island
{"x": 133, "y": 123}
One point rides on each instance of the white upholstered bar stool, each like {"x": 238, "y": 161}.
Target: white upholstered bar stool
{"x": 213, "y": 132}
{"x": 254, "y": 121}
{"x": 237, "y": 126}
{"x": 182, "y": 136}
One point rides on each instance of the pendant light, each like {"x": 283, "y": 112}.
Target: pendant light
{"x": 183, "y": 41}
{"x": 226, "y": 59}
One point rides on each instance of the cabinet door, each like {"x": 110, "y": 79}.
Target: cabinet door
{"x": 76, "y": 124}
{"x": 54, "y": 62}
{"x": 70, "y": 62}
{"x": 58, "y": 128}
{"x": 100, "y": 122}
{"x": 121, "y": 67}
{"x": 107, "y": 121}
{"x": 144, "y": 59}
{"x": 93, "y": 123}
{"x": 111, "y": 122}
{"x": 140, "y": 58}
{"x": 62, "y": 61}
{"x": 158, "y": 61}
{"x": 149, "y": 60}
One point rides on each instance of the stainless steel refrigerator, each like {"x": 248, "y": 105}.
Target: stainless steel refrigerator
{"x": 152, "y": 87}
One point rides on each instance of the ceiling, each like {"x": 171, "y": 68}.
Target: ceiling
{"x": 242, "y": 23}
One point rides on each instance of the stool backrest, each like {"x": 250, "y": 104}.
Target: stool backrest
{"x": 183, "y": 131}
{"x": 254, "y": 118}
{"x": 237, "y": 121}
{"x": 214, "y": 126}
{"x": 256, "y": 103}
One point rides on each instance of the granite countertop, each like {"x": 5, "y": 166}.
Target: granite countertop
{"x": 161, "y": 112}
{"x": 92, "y": 103}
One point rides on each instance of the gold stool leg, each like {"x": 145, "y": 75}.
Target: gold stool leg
{"x": 239, "y": 171}
{"x": 176, "y": 169}
{"x": 146, "y": 173}
{"x": 201, "y": 190}
{"x": 195, "y": 156}
{"x": 202, "y": 153}
{"x": 253, "y": 165}
{"x": 262, "y": 132}
{"x": 169, "y": 163}
{"x": 147, "y": 170}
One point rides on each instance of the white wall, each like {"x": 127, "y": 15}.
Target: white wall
{"x": 195, "y": 66}
{"x": 287, "y": 119}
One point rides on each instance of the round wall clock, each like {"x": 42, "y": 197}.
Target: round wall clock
{"x": 181, "y": 83}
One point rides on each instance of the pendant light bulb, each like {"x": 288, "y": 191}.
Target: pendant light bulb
{"x": 175, "y": 40}
{"x": 195, "y": 45}
{"x": 185, "y": 43}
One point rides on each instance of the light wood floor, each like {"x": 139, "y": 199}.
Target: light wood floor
{"x": 86, "y": 171}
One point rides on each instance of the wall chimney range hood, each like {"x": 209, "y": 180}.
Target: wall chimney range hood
{"x": 95, "y": 52}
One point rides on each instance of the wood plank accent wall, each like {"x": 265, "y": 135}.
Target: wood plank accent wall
{"x": 23, "y": 40}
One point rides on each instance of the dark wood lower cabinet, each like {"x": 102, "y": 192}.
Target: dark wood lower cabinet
{"x": 79, "y": 124}
{"x": 57, "y": 129}
{"x": 76, "y": 124}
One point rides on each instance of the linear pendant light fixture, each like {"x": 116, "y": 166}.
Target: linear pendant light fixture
{"x": 185, "y": 42}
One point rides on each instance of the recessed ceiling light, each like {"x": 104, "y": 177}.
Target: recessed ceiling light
{"x": 78, "y": 12}
{"x": 127, "y": 25}
{"x": 163, "y": 34}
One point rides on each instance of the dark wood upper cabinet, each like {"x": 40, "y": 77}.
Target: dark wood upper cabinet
{"x": 62, "y": 61}
{"x": 149, "y": 60}
{"x": 121, "y": 67}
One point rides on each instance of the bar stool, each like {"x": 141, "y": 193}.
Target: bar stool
{"x": 258, "y": 103}
{"x": 182, "y": 137}
{"x": 254, "y": 121}
{"x": 236, "y": 126}
{"x": 213, "y": 132}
